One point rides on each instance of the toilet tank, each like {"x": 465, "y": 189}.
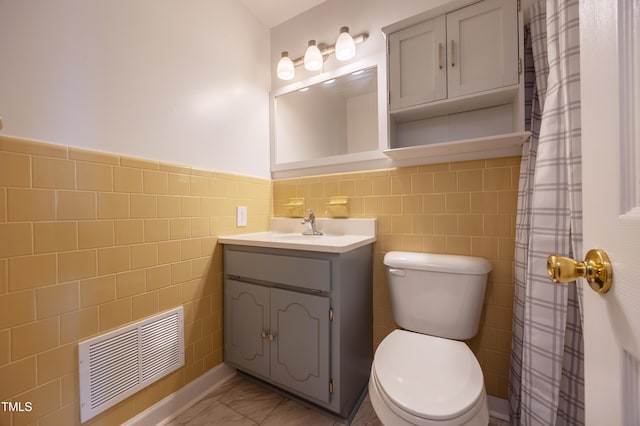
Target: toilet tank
{"x": 437, "y": 294}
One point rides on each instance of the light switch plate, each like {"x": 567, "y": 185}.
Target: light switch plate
{"x": 241, "y": 216}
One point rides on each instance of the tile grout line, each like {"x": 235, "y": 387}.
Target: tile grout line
{"x": 282, "y": 401}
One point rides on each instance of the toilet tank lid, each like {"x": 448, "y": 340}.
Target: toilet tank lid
{"x": 437, "y": 262}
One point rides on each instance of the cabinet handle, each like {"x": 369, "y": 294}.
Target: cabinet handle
{"x": 440, "y": 55}
{"x": 264, "y": 334}
{"x": 453, "y": 55}
{"x": 271, "y": 337}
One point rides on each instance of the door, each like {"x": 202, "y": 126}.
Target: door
{"x": 482, "y": 42}
{"x": 300, "y": 348}
{"x": 417, "y": 64}
{"x": 246, "y": 326}
{"x": 610, "y": 77}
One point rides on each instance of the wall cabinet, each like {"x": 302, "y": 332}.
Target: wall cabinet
{"x": 470, "y": 50}
{"x": 454, "y": 75}
{"x": 301, "y": 321}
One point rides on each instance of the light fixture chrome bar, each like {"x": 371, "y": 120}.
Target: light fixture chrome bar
{"x": 327, "y": 50}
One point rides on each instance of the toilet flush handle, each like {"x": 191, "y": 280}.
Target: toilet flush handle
{"x": 398, "y": 272}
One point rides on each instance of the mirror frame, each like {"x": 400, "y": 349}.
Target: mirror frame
{"x": 335, "y": 163}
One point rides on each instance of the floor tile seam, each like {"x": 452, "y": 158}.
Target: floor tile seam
{"x": 231, "y": 386}
{"x": 212, "y": 400}
{"x": 282, "y": 401}
{"x": 194, "y": 417}
{"x": 175, "y": 422}
{"x": 224, "y": 385}
{"x": 237, "y": 412}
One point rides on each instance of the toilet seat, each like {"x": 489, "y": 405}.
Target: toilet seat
{"x": 426, "y": 379}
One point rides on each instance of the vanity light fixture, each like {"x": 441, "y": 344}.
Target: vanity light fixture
{"x": 313, "y": 57}
{"x": 345, "y": 46}
{"x": 316, "y": 54}
{"x": 286, "y": 70}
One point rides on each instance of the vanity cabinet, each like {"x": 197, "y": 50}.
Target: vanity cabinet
{"x": 454, "y": 82}
{"x": 301, "y": 321}
{"x": 281, "y": 335}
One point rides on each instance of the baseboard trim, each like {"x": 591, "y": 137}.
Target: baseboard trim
{"x": 173, "y": 405}
{"x": 498, "y": 407}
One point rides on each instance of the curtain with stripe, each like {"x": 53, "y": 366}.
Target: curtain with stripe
{"x": 547, "y": 373}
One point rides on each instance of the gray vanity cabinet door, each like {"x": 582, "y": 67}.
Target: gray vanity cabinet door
{"x": 246, "y": 317}
{"x": 300, "y": 348}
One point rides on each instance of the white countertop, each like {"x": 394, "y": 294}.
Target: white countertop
{"x": 339, "y": 235}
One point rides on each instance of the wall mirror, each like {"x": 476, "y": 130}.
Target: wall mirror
{"x": 332, "y": 121}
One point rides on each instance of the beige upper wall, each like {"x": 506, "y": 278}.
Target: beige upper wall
{"x": 185, "y": 83}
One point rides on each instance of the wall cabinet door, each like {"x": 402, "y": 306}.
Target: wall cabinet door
{"x": 482, "y": 41}
{"x": 246, "y": 317}
{"x": 417, "y": 64}
{"x": 300, "y": 349}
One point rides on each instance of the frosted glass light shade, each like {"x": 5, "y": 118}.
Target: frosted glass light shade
{"x": 345, "y": 46}
{"x": 312, "y": 57}
{"x": 286, "y": 70}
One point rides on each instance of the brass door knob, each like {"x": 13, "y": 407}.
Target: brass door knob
{"x": 596, "y": 269}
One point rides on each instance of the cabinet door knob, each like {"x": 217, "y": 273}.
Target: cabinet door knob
{"x": 272, "y": 336}
{"x": 440, "y": 55}
{"x": 265, "y": 333}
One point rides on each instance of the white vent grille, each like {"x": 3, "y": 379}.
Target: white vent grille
{"x": 117, "y": 364}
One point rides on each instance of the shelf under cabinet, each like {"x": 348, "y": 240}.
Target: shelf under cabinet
{"x": 489, "y": 98}
{"x": 506, "y": 145}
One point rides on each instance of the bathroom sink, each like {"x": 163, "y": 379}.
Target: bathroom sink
{"x": 324, "y": 243}
{"x": 298, "y": 237}
{"x": 339, "y": 235}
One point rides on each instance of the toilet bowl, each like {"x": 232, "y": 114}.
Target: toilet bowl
{"x": 424, "y": 380}
{"x": 423, "y": 375}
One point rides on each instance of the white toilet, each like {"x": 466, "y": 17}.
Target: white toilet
{"x": 424, "y": 374}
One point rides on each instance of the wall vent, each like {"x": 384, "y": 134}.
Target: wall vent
{"x": 115, "y": 365}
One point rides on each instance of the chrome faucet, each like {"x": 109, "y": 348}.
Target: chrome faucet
{"x": 311, "y": 222}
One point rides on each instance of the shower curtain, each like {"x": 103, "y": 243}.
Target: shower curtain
{"x": 547, "y": 375}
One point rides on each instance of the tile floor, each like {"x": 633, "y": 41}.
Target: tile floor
{"x": 241, "y": 401}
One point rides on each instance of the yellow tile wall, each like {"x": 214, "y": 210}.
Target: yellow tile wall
{"x": 466, "y": 208}
{"x": 92, "y": 241}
